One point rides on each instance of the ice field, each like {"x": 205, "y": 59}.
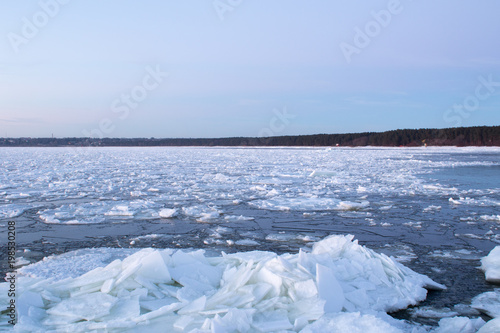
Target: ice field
{"x": 254, "y": 239}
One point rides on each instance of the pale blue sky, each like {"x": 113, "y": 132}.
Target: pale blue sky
{"x": 72, "y": 67}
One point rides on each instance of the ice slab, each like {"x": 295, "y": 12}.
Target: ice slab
{"x": 329, "y": 289}
{"x": 488, "y": 303}
{"x": 459, "y": 325}
{"x": 89, "y": 307}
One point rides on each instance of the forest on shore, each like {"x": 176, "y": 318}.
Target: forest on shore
{"x": 456, "y": 136}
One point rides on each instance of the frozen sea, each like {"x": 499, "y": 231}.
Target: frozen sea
{"x": 435, "y": 210}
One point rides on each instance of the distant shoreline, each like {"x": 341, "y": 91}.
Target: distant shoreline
{"x": 456, "y": 136}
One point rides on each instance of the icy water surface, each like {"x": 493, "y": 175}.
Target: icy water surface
{"x": 436, "y": 210}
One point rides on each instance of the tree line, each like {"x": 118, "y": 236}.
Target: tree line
{"x": 456, "y": 136}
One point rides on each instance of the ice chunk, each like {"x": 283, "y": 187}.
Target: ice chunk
{"x": 492, "y": 326}
{"x": 488, "y": 302}
{"x": 194, "y": 267}
{"x": 429, "y": 312}
{"x": 194, "y": 307}
{"x": 333, "y": 245}
{"x": 12, "y": 210}
{"x": 238, "y": 320}
{"x": 74, "y": 264}
{"x": 183, "y": 322}
{"x": 493, "y": 218}
{"x": 158, "y": 303}
{"x": 86, "y": 307}
{"x": 125, "y": 309}
{"x": 203, "y": 212}
{"x": 153, "y": 267}
{"x": 352, "y": 323}
{"x": 208, "y": 217}
{"x": 329, "y": 289}
{"x": 247, "y": 242}
{"x": 349, "y": 205}
{"x": 26, "y": 301}
{"x": 272, "y": 321}
{"x": 168, "y": 213}
{"x": 490, "y": 265}
{"x": 107, "y": 286}
{"x": 459, "y": 325}
{"x": 163, "y": 311}
{"x": 305, "y": 289}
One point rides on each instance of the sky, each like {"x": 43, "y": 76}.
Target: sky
{"x": 223, "y": 68}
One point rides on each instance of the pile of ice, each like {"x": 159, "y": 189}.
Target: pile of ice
{"x": 337, "y": 286}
